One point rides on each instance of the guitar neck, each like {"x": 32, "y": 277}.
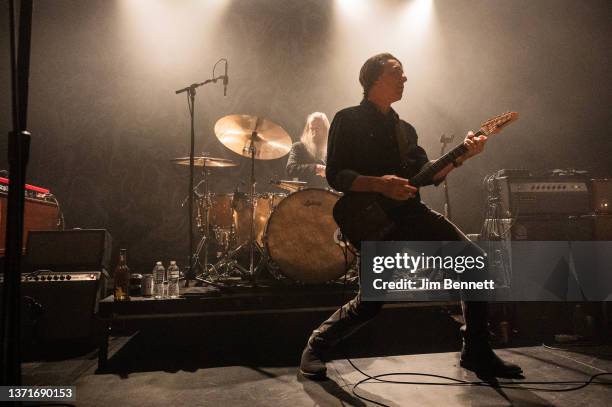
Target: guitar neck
{"x": 427, "y": 173}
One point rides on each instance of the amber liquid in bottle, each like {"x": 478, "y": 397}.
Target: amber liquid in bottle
{"x": 122, "y": 278}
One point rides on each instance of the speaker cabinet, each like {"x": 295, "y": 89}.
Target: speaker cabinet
{"x": 60, "y": 306}
{"x": 553, "y": 228}
{"x": 540, "y": 228}
{"x": 602, "y": 225}
{"x": 69, "y": 250}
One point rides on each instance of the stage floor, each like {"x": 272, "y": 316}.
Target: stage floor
{"x": 261, "y": 385}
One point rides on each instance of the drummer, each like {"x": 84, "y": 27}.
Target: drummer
{"x": 308, "y": 156}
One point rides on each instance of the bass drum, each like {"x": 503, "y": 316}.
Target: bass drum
{"x": 301, "y": 237}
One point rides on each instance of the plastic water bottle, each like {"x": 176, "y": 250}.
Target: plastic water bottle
{"x": 159, "y": 273}
{"x": 173, "y": 280}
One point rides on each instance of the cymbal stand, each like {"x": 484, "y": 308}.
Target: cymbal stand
{"x": 253, "y": 270}
{"x": 205, "y": 231}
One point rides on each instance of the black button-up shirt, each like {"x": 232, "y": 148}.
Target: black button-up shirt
{"x": 364, "y": 141}
{"x": 303, "y": 166}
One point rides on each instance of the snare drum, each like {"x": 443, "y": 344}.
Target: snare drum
{"x": 301, "y": 237}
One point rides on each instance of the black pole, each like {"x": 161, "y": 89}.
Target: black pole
{"x": 191, "y": 92}
{"x": 191, "y": 275}
{"x": 18, "y": 150}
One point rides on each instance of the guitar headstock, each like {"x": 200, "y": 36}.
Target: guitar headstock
{"x": 494, "y": 125}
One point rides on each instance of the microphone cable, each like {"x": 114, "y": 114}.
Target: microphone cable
{"x": 451, "y": 381}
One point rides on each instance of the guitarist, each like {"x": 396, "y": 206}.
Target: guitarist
{"x": 366, "y": 148}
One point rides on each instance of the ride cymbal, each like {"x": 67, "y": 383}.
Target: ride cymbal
{"x": 241, "y": 133}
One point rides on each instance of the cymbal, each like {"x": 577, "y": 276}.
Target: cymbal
{"x": 205, "y": 162}
{"x": 236, "y": 133}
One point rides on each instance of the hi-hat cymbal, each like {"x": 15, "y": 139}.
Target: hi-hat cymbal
{"x": 205, "y": 162}
{"x": 236, "y": 133}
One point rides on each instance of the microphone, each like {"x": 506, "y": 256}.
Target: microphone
{"x": 225, "y": 80}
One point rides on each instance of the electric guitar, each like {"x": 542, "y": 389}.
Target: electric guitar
{"x": 366, "y": 215}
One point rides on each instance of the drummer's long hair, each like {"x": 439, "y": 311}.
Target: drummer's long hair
{"x": 319, "y": 152}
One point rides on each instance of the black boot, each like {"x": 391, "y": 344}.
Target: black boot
{"x": 476, "y": 353}
{"x": 481, "y": 359}
{"x": 312, "y": 364}
{"x": 343, "y": 323}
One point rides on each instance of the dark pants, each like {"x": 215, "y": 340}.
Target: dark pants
{"x": 421, "y": 224}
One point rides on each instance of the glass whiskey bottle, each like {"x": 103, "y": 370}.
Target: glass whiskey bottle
{"x": 122, "y": 278}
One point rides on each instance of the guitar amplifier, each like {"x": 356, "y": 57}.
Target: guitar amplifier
{"x": 528, "y": 196}
{"x": 59, "y": 306}
{"x": 39, "y": 214}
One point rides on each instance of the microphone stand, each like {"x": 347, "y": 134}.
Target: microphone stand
{"x": 447, "y": 209}
{"x": 191, "y": 92}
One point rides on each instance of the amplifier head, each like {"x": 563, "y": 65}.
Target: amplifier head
{"x": 543, "y": 196}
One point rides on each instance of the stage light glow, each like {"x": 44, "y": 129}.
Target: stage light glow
{"x": 165, "y": 32}
{"x": 366, "y": 27}
{"x": 407, "y": 29}
{"x": 352, "y": 9}
{"x": 418, "y": 15}
{"x": 375, "y": 22}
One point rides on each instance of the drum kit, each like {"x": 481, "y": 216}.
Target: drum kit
{"x": 290, "y": 234}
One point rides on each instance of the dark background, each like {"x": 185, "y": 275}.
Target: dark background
{"x": 105, "y": 119}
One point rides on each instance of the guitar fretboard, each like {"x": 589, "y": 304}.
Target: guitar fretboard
{"x": 426, "y": 174}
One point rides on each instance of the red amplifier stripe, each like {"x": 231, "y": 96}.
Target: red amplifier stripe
{"x": 28, "y": 186}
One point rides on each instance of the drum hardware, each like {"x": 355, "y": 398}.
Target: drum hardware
{"x": 233, "y": 238}
{"x": 291, "y": 186}
{"x": 202, "y": 271}
{"x": 256, "y": 138}
{"x": 229, "y": 228}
